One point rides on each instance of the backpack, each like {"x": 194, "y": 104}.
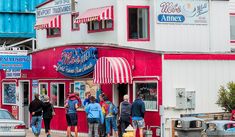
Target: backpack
{"x": 125, "y": 109}
{"x": 110, "y": 109}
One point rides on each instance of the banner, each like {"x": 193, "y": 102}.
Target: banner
{"x": 15, "y": 62}
{"x": 182, "y": 12}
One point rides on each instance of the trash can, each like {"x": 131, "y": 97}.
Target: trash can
{"x": 220, "y": 128}
{"x": 189, "y": 127}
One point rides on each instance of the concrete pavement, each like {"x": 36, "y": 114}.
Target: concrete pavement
{"x": 54, "y": 134}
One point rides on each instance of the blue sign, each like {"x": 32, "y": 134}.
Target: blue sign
{"x": 77, "y": 62}
{"x": 9, "y": 62}
{"x": 171, "y": 18}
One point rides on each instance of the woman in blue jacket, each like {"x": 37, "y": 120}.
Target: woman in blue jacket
{"x": 94, "y": 116}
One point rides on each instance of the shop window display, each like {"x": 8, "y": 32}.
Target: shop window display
{"x": 9, "y": 93}
{"x": 149, "y": 92}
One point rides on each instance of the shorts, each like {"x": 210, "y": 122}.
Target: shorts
{"x": 72, "y": 119}
{"x": 138, "y": 123}
{"x": 110, "y": 121}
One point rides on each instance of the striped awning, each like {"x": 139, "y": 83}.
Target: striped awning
{"x": 49, "y": 22}
{"x": 112, "y": 70}
{"x": 102, "y": 13}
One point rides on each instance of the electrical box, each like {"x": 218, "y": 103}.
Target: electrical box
{"x": 180, "y": 98}
{"x": 191, "y": 99}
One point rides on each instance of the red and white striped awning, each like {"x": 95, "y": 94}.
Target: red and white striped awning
{"x": 102, "y": 13}
{"x": 112, "y": 70}
{"x": 49, "y": 22}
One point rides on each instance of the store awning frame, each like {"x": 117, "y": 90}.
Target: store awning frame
{"x": 101, "y": 13}
{"x": 49, "y": 22}
{"x": 112, "y": 70}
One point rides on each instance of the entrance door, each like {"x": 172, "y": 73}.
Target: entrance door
{"x": 24, "y": 102}
{"x": 119, "y": 90}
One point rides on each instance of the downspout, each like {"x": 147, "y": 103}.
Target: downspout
{"x": 209, "y": 24}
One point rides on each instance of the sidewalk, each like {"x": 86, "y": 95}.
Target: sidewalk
{"x": 53, "y": 134}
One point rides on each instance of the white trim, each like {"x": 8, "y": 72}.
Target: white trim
{"x": 3, "y": 93}
{"x": 21, "y": 81}
{"x": 157, "y": 77}
{"x": 146, "y": 81}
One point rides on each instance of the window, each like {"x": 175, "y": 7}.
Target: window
{"x": 53, "y": 32}
{"x": 9, "y": 93}
{"x": 57, "y": 94}
{"x": 43, "y": 88}
{"x": 148, "y": 90}
{"x": 103, "y": 25}
{"x": 74, "y": 26}
{"x": 232, "y": 28}
{"x": 138, "y": 23}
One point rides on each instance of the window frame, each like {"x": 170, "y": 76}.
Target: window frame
{"x": 231, "y": 15}
{"x": 72, "y": 21}
{"x": 43, "y": 83}
{"x": 148, "y": 29}
{"x": 3, "y": 94}
{"x": 53, "y": 36}
{"x": 147, "y": 81}
{"x": 57, "y": 83}
{"x": 100, "y": 27}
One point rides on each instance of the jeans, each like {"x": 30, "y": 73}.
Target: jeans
{"x": 111, "y": 121}
{"x": 93, "y": 127}
{"x": 35, "y": 124}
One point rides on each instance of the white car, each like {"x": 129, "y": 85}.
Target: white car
{"x": 9, "y": 126}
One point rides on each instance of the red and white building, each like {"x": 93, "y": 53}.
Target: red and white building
{"x": 176, "y": 53}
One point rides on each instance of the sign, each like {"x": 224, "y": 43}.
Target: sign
{"x": 34, "y": 88}
{"x": 182, "y": 12}
{"x": 15, "y": 111}
{"x": 13, "y": 74}
{"x": 60, "y": 7}
{"x": 76, "y": 62}
{"x": 15, "y": 62}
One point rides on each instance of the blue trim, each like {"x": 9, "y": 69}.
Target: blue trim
{"x": 18, "y": 35}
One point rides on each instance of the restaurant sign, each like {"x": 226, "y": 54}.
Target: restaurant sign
{"x": 16, "y": 62}
{"x": 182, "y": 12}
{"x": 59, "y": 7}
{"x": 77, "y": 62}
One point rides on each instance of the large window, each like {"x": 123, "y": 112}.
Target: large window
{"x": 232, "y": 27}
{"x": 53, "y": 32}
{"x": 57, "y": 94}
{"x": 138, "y": 23}
{"x": 74, "y": 26}
{"x": 9, "y": 93}
{"x": 150, "y": 93}
{"x": 103, "y": 25}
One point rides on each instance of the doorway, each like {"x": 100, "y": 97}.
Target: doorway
{"x": 119, "y": 90}
{"x": 24, "y": 102}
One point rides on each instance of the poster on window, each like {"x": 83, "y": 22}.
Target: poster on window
{"x": 80, "y": 87}
{"x": 34, "y": 88}
{"x": 9, "y": 93}
{"x": 86, "y": 89}
{"x": 149, "y": 93}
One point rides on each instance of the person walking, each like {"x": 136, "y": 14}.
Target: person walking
{"x": 102, "y": 132}
{"x": 110, "y": 116}
{"x": 137, "y": 112}
{"x": 125, "y": 113}
{"x": 72, "y": 105}
{"x": 35, "y": 109}
{"x": 48, "y": 112}
{"x": 94, "y": 116}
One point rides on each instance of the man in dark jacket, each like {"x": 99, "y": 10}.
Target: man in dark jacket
{"x": 137, "y": 112}
{"x": 125, "y": 113}
{"x": 35, "y": 108}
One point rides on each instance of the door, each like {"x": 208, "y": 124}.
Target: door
{"x": 24, "y": 102}
{"x": 119, "y": 90}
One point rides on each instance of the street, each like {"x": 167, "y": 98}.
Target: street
{"x": 54, "y": 134}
